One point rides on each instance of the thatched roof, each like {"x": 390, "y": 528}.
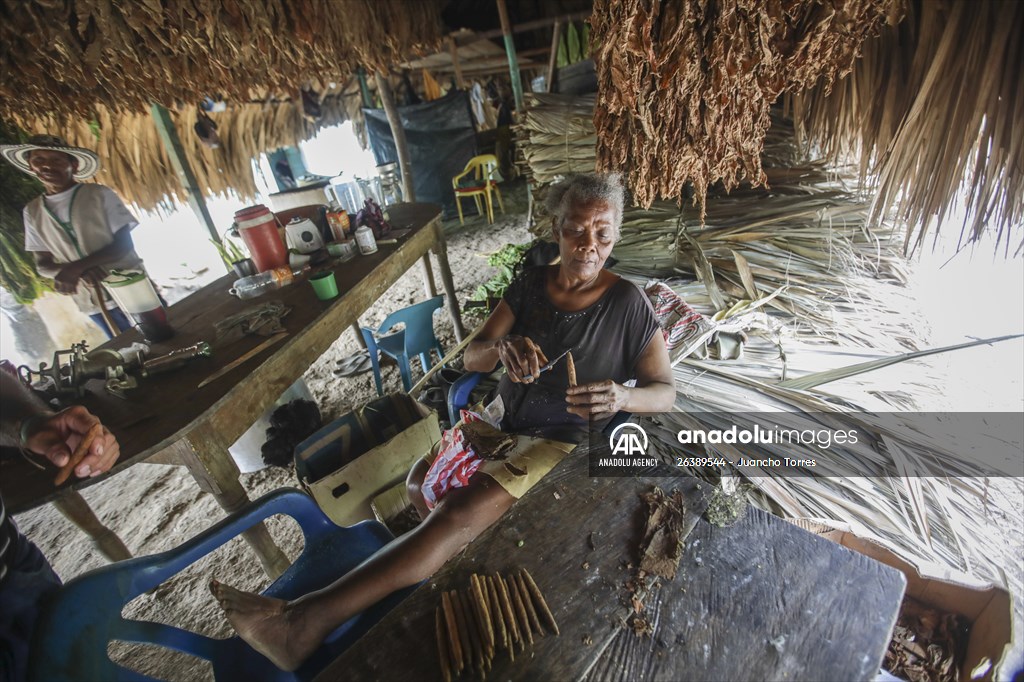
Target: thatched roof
{"x": 934, "y": 110}
{"x": 63, "y": 59}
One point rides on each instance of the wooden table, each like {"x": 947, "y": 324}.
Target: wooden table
{"x": 167, "y": 418}
{"x": 761, "y": 599}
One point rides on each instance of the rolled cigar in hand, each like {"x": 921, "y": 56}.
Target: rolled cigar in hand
{"x": 571, "y": 366}
{"x": 80, "y": 452}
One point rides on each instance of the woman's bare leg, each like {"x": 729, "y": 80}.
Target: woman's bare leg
{"x": 414, "y": 486}
{"x": 288, "y": 632}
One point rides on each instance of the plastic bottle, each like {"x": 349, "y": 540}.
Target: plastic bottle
{"x": 364, "y": 238}
{"x": 271, "y": 280}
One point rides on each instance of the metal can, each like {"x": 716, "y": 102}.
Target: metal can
{"x": 365, "y": 240}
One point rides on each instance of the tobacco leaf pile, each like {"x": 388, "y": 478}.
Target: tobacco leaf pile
{"x": 927, "y": 645}
{"x": 65, "y": 58}
{"x": 685, "y": 86}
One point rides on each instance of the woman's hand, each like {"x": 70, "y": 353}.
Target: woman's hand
{"x": 597, "y": 398}
{"x": 521, "y": 357}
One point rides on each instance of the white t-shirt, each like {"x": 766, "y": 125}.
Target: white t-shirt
{"x": 118, "y": 215}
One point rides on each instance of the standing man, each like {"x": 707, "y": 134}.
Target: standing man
{"x": 76, "y": 231}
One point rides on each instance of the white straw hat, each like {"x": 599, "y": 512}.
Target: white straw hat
{"x": 17, "y": 154}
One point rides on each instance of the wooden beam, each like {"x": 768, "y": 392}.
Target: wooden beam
{"x": 364, "y": 89}
{"x": 387, "y": 98}
{"x": 172, "y": 143}
{"x": 523, "y": 27}
{"x": 510, "y": 50}
{"x": 556, "y": 34}
{"x": 454, "y": 50}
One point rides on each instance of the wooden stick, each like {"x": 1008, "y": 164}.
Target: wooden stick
{"x": 468, "y": 625}
{"x": 442, "y": 645}
{"x": 524, "y": 619}
{"x": 496, "y": 617}
{"x": 571, "y": 366}
{"x": 510, "y": 616}
{"x": 538, "y": 598}
{"x": 443, "y": 361}
{"x": 483, "y": 612}
{"x": 79, "y": 454}
{"x": 528, "y": 603}
{"x": 454, "y": 636}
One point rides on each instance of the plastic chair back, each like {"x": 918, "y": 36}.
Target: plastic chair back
{"x": 417, "y": 338}
{"x": 74, "y": 630}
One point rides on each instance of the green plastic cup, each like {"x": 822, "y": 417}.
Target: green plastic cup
{"x": 324, "y": 285}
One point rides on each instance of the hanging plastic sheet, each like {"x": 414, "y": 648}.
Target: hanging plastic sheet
{"x": 441, "y": 139}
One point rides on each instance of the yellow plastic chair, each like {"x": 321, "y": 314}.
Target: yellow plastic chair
{"x": 478, "y": 180}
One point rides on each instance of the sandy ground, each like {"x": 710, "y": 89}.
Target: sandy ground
{"x": 154, "y": 507}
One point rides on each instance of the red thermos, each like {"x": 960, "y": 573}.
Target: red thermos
{"x": 258, "y": 228}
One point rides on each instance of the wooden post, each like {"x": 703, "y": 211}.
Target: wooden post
{"x": 364, "y": 88}
{"x": 553, "y": 57}
{"x": 510, "y": 50}
{"x": 454, "y": 50}
{"x": 172, "y": 143}
{"x": 387, "y": 98}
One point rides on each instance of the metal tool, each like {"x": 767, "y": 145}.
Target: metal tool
{"x": 235, "y": 363}
{"x": 175, "y": 359}
{"x": 548, "y": 366}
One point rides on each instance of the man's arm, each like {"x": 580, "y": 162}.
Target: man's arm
{"x": 66, "y": 275}
{"x": 26, "y": 422}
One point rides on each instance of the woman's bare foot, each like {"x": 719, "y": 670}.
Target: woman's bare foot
{"x": 270, "y": 626}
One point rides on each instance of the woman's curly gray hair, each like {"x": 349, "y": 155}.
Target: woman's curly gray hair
{"x": 584, "y": 189}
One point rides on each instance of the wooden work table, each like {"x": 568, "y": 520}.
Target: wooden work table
{"x": 761, "y": 599}
{"x": 169, "y": 419}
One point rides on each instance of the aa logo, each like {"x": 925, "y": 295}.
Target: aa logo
{"x": 628, "y": 439}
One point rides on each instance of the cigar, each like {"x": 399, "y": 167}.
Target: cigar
{"x": 571, "y": 366}
{"x": 80, "y": 452}
{"x": 501, "y": 636}
{"x": 538, "y": 598}
{"x": 524, "y": 620}
{"x": 442, "y": 645}
{"x": 458, "y": 655}
{"x": 480, "y": 605}
{"x": 528, "y": 603}
{"x": 509, "y": 613}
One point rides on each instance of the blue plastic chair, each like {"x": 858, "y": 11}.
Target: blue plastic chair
{"x": 416, "y": 339}
{"x": 73, "y": 631}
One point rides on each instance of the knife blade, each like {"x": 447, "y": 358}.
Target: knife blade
{"x": 548, "y": 366}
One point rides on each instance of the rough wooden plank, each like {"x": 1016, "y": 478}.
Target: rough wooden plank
{"x": 738, "y": 590}
{"x": 758, "y": 601}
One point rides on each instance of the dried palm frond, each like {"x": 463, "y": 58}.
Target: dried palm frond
{"x": 685, "y": 87}
{"x": 933, "y": 109}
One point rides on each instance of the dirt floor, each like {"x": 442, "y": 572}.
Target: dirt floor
{"x": 154, "y": 507}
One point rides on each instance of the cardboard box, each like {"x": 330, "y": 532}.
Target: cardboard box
{"x": 987, "y": 606}
{"x": 347, "y": 463}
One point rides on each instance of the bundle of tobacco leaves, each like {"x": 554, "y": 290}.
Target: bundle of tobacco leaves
{"x": 65, "y": 58}
{"x": 685, "y": 86}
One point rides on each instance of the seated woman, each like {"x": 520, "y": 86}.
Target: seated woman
{"x": 577, "y": 304}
